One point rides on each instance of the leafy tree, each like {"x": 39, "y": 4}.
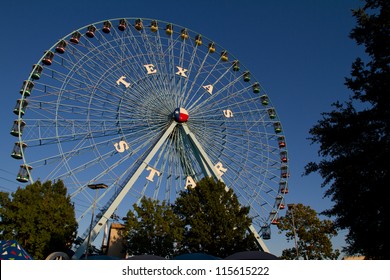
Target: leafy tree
{"x": 40, "y": 217}
{"x": 214, "y": 220}
{"x": 152, "y": 228}
{"x": 312, "y": 235}
{"x": 354, "y": 141}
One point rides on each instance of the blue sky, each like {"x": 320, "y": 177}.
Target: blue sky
{"x": 299, "y": 50}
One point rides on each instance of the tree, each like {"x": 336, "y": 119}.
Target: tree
{"x": 214, "y": 221}
{"x": 152, "y": 228}
{"x": 40, "y": 217}
{"x": 354, "y": 141}
{"x": 312, "y": 236}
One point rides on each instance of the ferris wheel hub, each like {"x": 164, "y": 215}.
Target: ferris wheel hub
{"x": 180, "y": 115}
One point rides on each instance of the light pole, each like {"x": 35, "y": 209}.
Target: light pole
{"x": 291, "y": 208}
{"x": 93, "y": 187}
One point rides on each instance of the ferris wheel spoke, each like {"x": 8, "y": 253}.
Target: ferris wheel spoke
{"x": 233, "y": 152}
{"x": 171, "y": 53}
{"x": 198, "y": 95}
{"x": 117, "y": 198}
{"x": 233, "y": 100}
{"x": 111, "y": 57}
{"x": 147, "y": 84}
{"x": 252, "y": 162}
{"x": 42, "y": 132}
{"x": 144, "y": 60}
{"x": 254, "y": 192}
{"x": 85, "y": 72}
{"x": 217, "y": 95}
{"x": 161, "y": 164}
{"x": 81, "y": 148}
{"x": 187, "y": 70}
{"x": 165, "y": 71}
{"x": 95, "y": 161}
{"x": 221, "y": 134}
{"x": 249, "y": 192}
{"x": 187, "y": 99}
{"x": 155, "y": 58}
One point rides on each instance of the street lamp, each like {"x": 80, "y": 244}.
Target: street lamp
{"x": 93, "y": 187}
{"x": 291, "y": 208}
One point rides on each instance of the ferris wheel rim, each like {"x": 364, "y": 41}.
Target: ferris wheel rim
{"x": 20, "y": 137}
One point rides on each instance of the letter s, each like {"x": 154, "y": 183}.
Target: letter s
{"x": 121, "y": 146}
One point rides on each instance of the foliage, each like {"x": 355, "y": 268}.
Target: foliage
{"x": 40, "y": 217}
{"x": 354, "y": 141}
{"x": 214, "y": 221}
{"x": 205, "y": 219}
{"x": 312, "y": 235}
{"x": 152, "y": 228}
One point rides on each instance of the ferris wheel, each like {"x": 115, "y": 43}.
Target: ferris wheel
{"x": 139, "y": 107}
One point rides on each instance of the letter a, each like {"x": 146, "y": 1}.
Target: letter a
{"x": 190, "y": 183}
{"x": 209, "y": 88}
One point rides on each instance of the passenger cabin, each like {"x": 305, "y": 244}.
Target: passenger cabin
{"x": 277, "y": 127}
{"x": 90, "y": 31}
{"x": 60, "y": 48}
{"x": 169, "y": 29}
{"x": 256, "y": 87}
{"x": 280, "y": 202}
{"x": 24, "y": 173}
{"x": 284, "y": 171}
{"x": 274, "y": 217}
{"x": 20, "y": 107}
{"x": 17, "y": 151}
{"x": 266, "y": 232}
{"x": 271, "y": 113}
{"x": 184, "y": 34}
{"x": 138, "y": 24}
{"x": 211, "y": 47}
{"x": 236, "y": 65}
{"x": 26, "y": 88}
{"x": 247, "y": 76}
{"x": 198, "y": 40}
{"x": 106, "y": 27}
{"x": 75, "y": 38}
{"x": 224, "y": 56}
{"x": 264, "y": 100}
{"x": 283, "y": 187}
{"x": 283, "y": 156}
{"x": 154, "y": 26}
{"x": 281, "y": 142}
{"x": 48, "y": 58}
{"x": 122, "y": 25}
{"x": 36, "y": 71}
{"x": 17, "y": 128}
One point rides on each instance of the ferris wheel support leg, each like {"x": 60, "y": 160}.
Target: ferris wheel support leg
{"x": 205, "y": 160}
{"x": 118, "y": 199}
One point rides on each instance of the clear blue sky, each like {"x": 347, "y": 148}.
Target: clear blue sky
{"x": 299, "y": 50}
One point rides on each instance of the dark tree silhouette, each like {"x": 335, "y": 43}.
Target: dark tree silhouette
{"x": 354, "y": 141}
